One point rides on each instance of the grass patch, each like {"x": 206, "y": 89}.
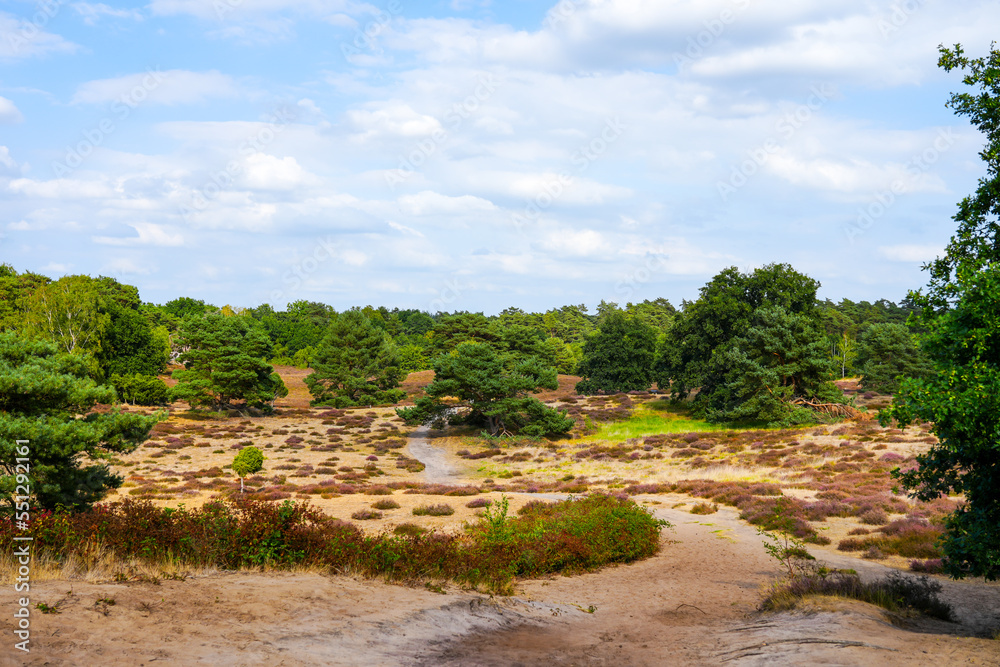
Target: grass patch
{"x": 654, "y": 417}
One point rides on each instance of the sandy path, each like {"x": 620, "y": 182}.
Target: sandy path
{"x": 439, "y": 468}
{"x": 692, "y": 604}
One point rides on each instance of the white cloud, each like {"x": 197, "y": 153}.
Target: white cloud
{"x": 169, "y": 88}
{"x": 404, "y": 229}
{"x": 852, "y": 175}
{"x": 148, "y": 234}
{"x": 8, "y": 167}
{"x": 60, "y": 188}
{"x": 434, "y": 203}
{"x": 574, "y": 242}
{"x": 124, "y": 265}
{"x": 9, "y": 114}
{"x": 20, "y": 38}
{"x": 267, "y": 172}
{"x": 911, "y": 253}
{"x": 93, "y": 11}
{"x": 392, "y": 120}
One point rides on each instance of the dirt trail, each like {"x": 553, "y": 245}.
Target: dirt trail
{"x": 439, "y": 466}
{"x": 691, "y": 604}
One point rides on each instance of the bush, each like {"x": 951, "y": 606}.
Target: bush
{"x": 365, "y": 515}
{"x": 895, "y": 592}
{"x": 386, "y": 504}
{"x": 704, "y": 508}
{"x": 434, "y": 510}
{"x": 573, "y": 535}
{"x": 140, "y": 389}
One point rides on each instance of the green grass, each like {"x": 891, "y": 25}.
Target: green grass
{"x": 660, "y": 416}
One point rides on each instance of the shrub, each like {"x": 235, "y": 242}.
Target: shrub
{"x": 386, "y": 504}
{"x": 434, "y": 510}
{"x": 574, "y": 535}
{"x": 875, "y": 517}
{"x": 478, "y": 502}
{"x": 365, "y": 515}
{"x": 140, "y": 389}
{"x": 895, "y": 592}
{"x": 704, "y": 508}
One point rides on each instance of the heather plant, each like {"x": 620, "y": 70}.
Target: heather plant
{"x": 567, "y": 536}
{"x": 895, "y": 592}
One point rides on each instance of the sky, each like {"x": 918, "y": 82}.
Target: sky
{"x": 469, "y": 155}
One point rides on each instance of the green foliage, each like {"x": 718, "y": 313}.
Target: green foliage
{"x": 140, "y": 389}
{"x": 46, "y": 397}
{"x": 16, "y": 290}
{"x": 976, "y": 242}
{"x": 356, "y": 363}
{"x": 412, "y": 358}
{"x": 493, "y": 389}
{"x": 724, "y": 311}
{"x": 961, "y": 309}
{"x": 70, "y": 312}
{"x": 619, "y": 356}
{"x": 248, "y": 461}
{"x": 130, "y": 346}
{"x": 887, "y": 352}
{"x": 224, "y": 363}
{"x": 963, "y": 402}
{"x": 779, "y": 358}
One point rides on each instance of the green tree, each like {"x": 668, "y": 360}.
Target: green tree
{"x": 619, "y": 356}
{"x": 224, "y": 363}
{"x": 70, "y": 312}
{"x": 780, "y": 358}
{"x": 488, "y": 390}
{"x": 46, "y": 398}
{"x": 248, "y": 461}
{"x": 887, "y": 352}
{"x": 355, "y": 363}
{"x": 961, "y": 311}
{"x": 723, "y": 311}
{"x": 15, "y": 292}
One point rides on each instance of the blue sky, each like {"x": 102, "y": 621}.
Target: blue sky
{"x": 474, "y": 155}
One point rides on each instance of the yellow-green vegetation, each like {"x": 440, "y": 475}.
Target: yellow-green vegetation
{"x": 654, "y": 418}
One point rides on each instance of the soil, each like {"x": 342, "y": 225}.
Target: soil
{"x": 694, "y": 603}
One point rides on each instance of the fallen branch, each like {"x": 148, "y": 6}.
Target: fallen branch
{"x": 835, "y": 409}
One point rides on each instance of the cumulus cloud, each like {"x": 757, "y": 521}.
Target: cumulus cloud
{"x": 267, "y": 172}
{"x": 9, "y": 114}
{"x": 392, "y": 120}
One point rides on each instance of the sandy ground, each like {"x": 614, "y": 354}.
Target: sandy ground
{"x": 692, "y": 604}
